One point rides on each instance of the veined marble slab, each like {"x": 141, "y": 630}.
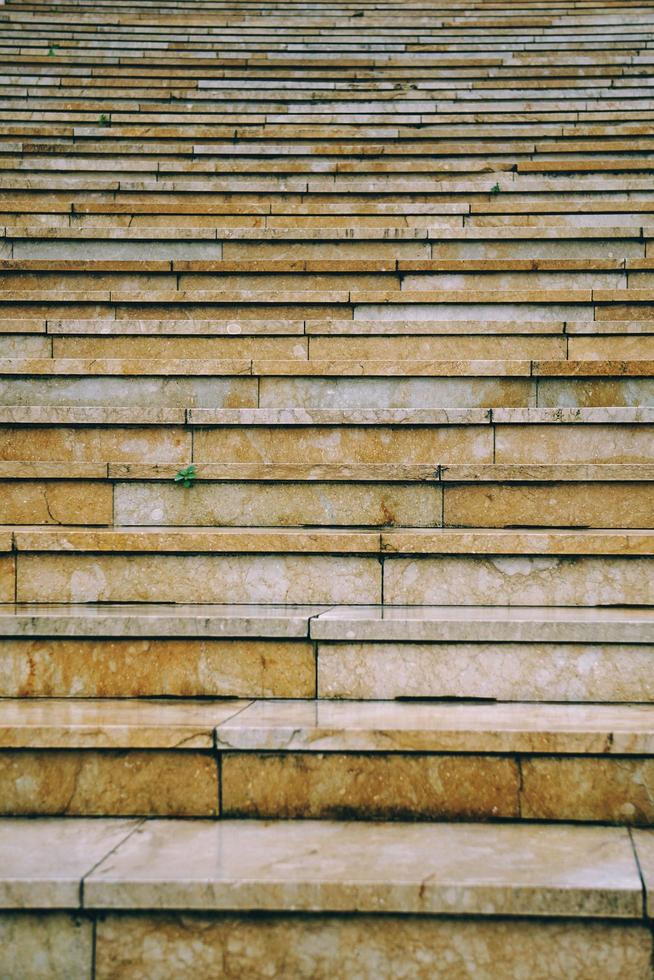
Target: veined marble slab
{"x": 407, "y": 727}
{"x": 153, "y": 619}
{"x": 42, "y": 862}
{"x": 378, "y": 867}
{"x": 488, "y": 623}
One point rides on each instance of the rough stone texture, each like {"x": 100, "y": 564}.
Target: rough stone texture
{"x": 382, "y": 947}
{"x": 357, "y": 444}
{"x": 188, "y": 578}
{"x": 125, "y": 783}
{"x": 56, "y": 945}
{"x": 609, "y": 790}
{"x": 91, "y": 668}
{"x": 553, "y": 505}
{"x": 269, "y": 785}
{"x": 7, "y": 578}
{"x": 55, "y": 502}
{"x": 518, "y": 580}
{"x": 506, "y": 671}
{"x": 279, "y": 504}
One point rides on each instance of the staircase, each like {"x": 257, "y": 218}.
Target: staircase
{"x": 326, "y": 465}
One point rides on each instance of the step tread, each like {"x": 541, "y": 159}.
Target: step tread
{"x": 157, "y": 619}
{"x": 327, "y": 726}
{"x": 349, "y": 472}
{"x": 413, "y": 541}
{"x": 319, "y": 866}
{"x": 408, "y": 727}
{"x": 200, "y": 366}
{"x": 345, "y": 623}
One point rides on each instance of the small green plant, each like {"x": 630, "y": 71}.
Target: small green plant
{"x": 104, "y": 120}
{"x": 187, "y": 476}
{"x": 495, "y": 189}
{"x": 52, "y": 50}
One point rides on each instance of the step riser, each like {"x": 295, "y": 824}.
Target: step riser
{"x": 330, "y": 393}
{"x": 162, "y": 667}
{"x": 332, "y": 785}
{"x": 407, "y": 444}
{"x": 322, "y": 504}
{"x": 280, "y": 578}
{"x": 499, "y": 671}
{"x": 157, "y": 667}
{"x": 370, "y": 947}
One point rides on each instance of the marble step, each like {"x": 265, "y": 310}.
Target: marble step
{"x": 600, "y": 496}
{"x": 315, "y": 759}
{"x": 413, "y": 566}
{"x": 344, "y": 652}
{"x": 306, "y": 304}
{"x": 347, "y": 898}
{"x": 449, "y": 338}
{"x": 97, "y": 434}
{"x": 323, "y": 383}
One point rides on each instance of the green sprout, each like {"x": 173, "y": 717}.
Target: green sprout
{"x": 52, "y": 50}
{"x": 104, "y": 120}
{"x": 495, "y": 189}
{"x": 187, "y": 476}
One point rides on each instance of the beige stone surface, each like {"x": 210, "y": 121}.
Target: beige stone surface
{"x": 543, "y": 472}
{"x": 574, "y": 444}
{"x": 203, "y": 348}
{"x": 589, "y": 392}
{"x": 35, "y": 414}
{"x": 205, "y": 539}
{"x": 503, "y": 671}
{"x": 524, "y": 580}
{"x": 92, "y": 668}
{"x": 56, "y": 502}
{"x": 7, "y": 578}
{"x": 439, "y": 868}
{"x": 388, "y": 726}
{"x": 524, "y": 624}
{"x": 43, "y": 860}
{"x": 56, "y": 945}
{"x": 19, "y": 345}
{"x": 379, "y": 947}
{"x": 299, "y": 473}
{"x": 405, "y": 391}
{"x": 129, "y": 621}
{"x": 554, "y": 504}
{"x": 361, "y": 786}
{"x": 107, "y": 724}
{"x": 136, "y": 392}
{"x": 171, "y": 444}
{"x": 279, "y": 504}
{"x": 498, "y": 541}
{"x": 625, "y": 347}
{"x": 416, "y": 347}
{"x": 108, "y": 783}
{"x": 617, "y": 790}
{"x": 191, "y": 578}
{"x": 357, "y": 444}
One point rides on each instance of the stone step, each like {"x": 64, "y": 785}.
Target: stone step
{"x": 299, "y": 759}
{"x": 295, "y": 436}
{"x": 258, "y": 495}
{"x": 324, "y": 384}
{"x": 110, "y": 892}
{"x": 234, "y": 327}
{"x": 347, "y": 652}
{"x": 407, "y": 566}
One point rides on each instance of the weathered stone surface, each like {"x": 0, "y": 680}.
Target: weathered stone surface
{"x": 379, "y": 947}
